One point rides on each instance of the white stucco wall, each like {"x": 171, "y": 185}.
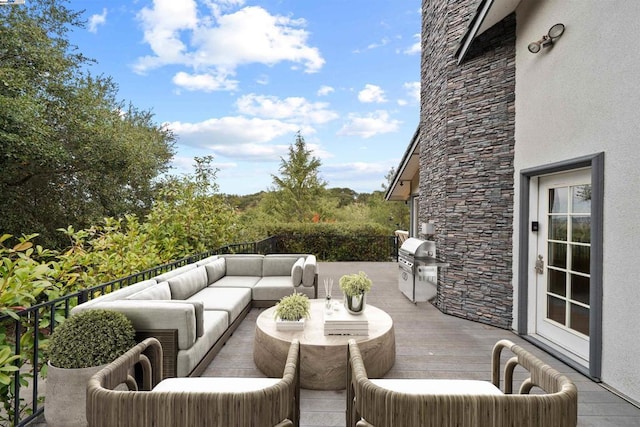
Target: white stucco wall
{"x": 581, "y": 97}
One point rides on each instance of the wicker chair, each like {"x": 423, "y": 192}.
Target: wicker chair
{"x": 462, "y": 403}
{"x": 182, "y": 402}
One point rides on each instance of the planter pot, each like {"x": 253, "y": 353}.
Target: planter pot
{"x": 355, "y": 304}
{"x": 289, "y": 325}
{"x": 65, "y": 398}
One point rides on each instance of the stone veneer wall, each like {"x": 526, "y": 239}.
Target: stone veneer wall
{"x": 467, "y": 121}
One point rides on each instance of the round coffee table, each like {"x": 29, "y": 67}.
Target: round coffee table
{"x": 323, "y": 359}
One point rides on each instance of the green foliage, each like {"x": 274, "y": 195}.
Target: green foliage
{"x": 355, "y": 284}
{"x": 190, "y": 216}
{"x": 293, "y": 307}
{"x": 331, "y": 241}
{"x": 24, "y": 277}
{"x": 70, "y": 152}
{"x": 91, "y": 338}
{"x": 297, "y": 189}
{"x": 9, "y": 364}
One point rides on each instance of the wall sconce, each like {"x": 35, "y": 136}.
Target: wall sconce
{"x": 548, "y": 39}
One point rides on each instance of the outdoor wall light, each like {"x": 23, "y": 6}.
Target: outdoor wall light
{"x": 548, "y": 39}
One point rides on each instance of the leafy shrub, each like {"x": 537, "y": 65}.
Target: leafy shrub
{"x": 91, "y": 338}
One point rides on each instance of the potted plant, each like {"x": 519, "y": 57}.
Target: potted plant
{"x": 291, "y": 311}
{"x": 79, "y": 348}
{"x": 355, "y": 288}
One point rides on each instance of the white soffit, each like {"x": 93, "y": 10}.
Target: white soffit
{"x": 489, "y": 13}
{"x": 409, "y": 168}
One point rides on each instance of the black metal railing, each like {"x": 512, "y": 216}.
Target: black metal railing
{"x": 22, "y": 403}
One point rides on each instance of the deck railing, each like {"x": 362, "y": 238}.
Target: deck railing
{"x": 22, "y": 399}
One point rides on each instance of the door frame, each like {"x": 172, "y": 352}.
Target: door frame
{"x": 596, "y": 163}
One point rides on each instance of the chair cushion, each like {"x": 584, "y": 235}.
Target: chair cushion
{"x": 215, "y": 384}
{"x": 188, "y": 283}
{"x": 296, "y": 272}
{"x": 216, "y": 270}
{"x": 438, "y": 386}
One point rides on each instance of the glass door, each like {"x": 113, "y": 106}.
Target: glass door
{"x": 563, "y": 261}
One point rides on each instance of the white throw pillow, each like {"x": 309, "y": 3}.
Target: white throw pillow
{"x": 296, "y": 272}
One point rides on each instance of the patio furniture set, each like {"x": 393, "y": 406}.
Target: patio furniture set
{"x": 183, "y": 317}
{"x": 275, "y": 400}
{"x": 194, "y": 309}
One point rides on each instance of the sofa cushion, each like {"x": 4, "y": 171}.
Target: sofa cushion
{"x": 216, "y": 270}
{"x": 236, "y": 282}
{"x": 115, "y": 295}
{"x": 161, "y": 291}
{"x": 215, "y": 325}
{"x": 173, "y": 273}
{"x": 188, "y": 283}
{"x": 231, "y": 300}
{"x": 272, "y": 288}
{"x": 149, "y": 314}
{"x": 309, "y": 271}
{"x": 278, "y": 265}
{"x": 244, "y": 265}
{"x": 207, "y": 260}
{"x": 296, "y": 272}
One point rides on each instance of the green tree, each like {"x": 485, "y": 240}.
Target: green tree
{"x": 70, "y": 153}
{"x": 189, "y": 215}
{"x": 297, "y": 192}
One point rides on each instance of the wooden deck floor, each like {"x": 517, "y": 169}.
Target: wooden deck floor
{"x": 429, "y": 344}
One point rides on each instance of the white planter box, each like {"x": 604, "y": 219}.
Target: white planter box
{"x": 289, "y": 325}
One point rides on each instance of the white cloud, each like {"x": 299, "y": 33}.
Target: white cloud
{"x": 415, "y": 48}
{"x": 162, "y": 26}
{"x": 250, "y": 151}
{"x": 231, "y": 130}
{"x": 354, "y": 175}
{"x": 371, "y": 93}
{"x": 298, "y": 108}
{"x": 97, "y": 20}
{"x": 383, "y": 42}
{"x": 204, "y": 82}
{"x": 220, "y": 41}
{"x": 325, "y": 90}
{"x": 413, "y": 90}
{"x": 369, "y": 125}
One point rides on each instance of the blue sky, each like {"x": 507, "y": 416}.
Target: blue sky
{"x": 237, "y": 79}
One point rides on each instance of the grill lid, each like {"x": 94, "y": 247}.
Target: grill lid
{"x": 423, "y": 251}
{"x": 419, "y": 248}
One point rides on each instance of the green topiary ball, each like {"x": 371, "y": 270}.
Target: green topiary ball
{"x": 91, "y": 338}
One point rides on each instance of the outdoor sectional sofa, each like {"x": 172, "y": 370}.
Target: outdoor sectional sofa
{"x": 193, "y": 309}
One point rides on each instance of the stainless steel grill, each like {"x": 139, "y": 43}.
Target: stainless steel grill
{"x": 418, "y": 269}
